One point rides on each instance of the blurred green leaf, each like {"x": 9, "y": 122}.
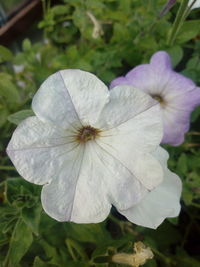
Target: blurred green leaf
{"x": 21, "y": 193}
{"x": 8, "y": 90}
{"x": 26, "y": 45}
{"x": 18, "y": 246}
{"x": 3, "y": 116}
{"x": 189, "y": 30}
{"x": 88, "y": 232}
{"x": 182, "y": 165}
{"x": 31, "y": 217}
{"x": 184, "y": 260}
{"x": 76, "y": 251}
{"x": 176, "y": 53}
{"x": 39, "y": 263}
{"x": 19, "y": 116}
{"x": 5, "y": 54}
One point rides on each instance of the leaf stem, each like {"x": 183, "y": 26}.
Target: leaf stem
{"x": 180, "y": 17}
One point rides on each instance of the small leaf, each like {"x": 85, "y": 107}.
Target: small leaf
{"x": 5, "y": 54}
{"x": 8, "y": 90}
{"x": 19, "y": 116}
{"x": 60, "y": 10}
{"x": 26, "y": 45}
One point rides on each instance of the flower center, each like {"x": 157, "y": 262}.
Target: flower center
{"x": 159, "y": 99}
{"x": 87, "y": 133}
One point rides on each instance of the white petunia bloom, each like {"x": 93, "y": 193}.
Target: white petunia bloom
{"x": 92, "y": 148}
{"x": 195, "y": 5}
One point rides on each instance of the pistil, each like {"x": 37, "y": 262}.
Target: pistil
{"x": 87, "y": 133}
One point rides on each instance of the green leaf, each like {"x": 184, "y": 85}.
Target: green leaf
{"x": 26, "y": 45}
{"x": 184, "y": 260}
{"x": 31, "y": 217}
{"x": 19, "y": 244}
{"x": 51, "y": 252}
{"x": 182, "y": 165}
{"x": 3, "y": 116}
{"x": 174, "y": 221}
{"x": 8, "y": 90}
{"x": 5, "y": 54}
{"x": 76, "y": 251}
{"x": 176, "y": 53}
{"x": 19, "y": 116}
{"x": 60, "y": 10}
{"x": 39, "y": 263}
{"x": 189, "y": 30}
{"x": 88, "y": 232}
{"x": 21, "y": 193}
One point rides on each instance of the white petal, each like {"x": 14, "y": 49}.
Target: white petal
{"x": 125, "y": 103}
{"x": 88, "y": 93}
{"x": 162, "y": 155}
{"x": 78, "y": 193}
{"x": 132, "y": 128}
{"x": 37, "y": 149}
{"x": 84, "y": 192}
{"x": 160, "y": 203}
{"x": 144, "y": 167}
{"x": 121, "y": 185}
{"x": 70, "y": 97}
{"x": 131, "y": 143}
{"x": 142, "y": 133}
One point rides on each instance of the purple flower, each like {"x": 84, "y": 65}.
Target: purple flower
{"x": 178, "y": 95}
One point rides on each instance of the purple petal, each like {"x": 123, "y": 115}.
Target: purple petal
{"x": 143, "y": 77}
{"x": 186, "y": 101}
{"x": 176, "y": 116}
{"x": 161, "y": 61}
{"x": 176, "y": 124}
{"x": 119, "y": 81}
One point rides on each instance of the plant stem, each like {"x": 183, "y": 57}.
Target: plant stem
{"x": 193, "y": 133}
{"x": 180, "y": 17}
{"x": 7, "y": 168}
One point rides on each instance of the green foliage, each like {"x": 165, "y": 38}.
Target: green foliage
{"x": 18, "y": 246}
{"x": 8, "y": 90}
{"x": 126, "y": 33}
{"x": 19, "y": 116}
{"x": 5, "y": 54}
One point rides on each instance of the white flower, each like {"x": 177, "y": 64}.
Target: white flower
{"x": 196, "y": 4}
{"x": 91, "y": 149}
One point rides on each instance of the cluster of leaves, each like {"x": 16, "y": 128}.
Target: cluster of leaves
{"x": 108, "y": 38}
